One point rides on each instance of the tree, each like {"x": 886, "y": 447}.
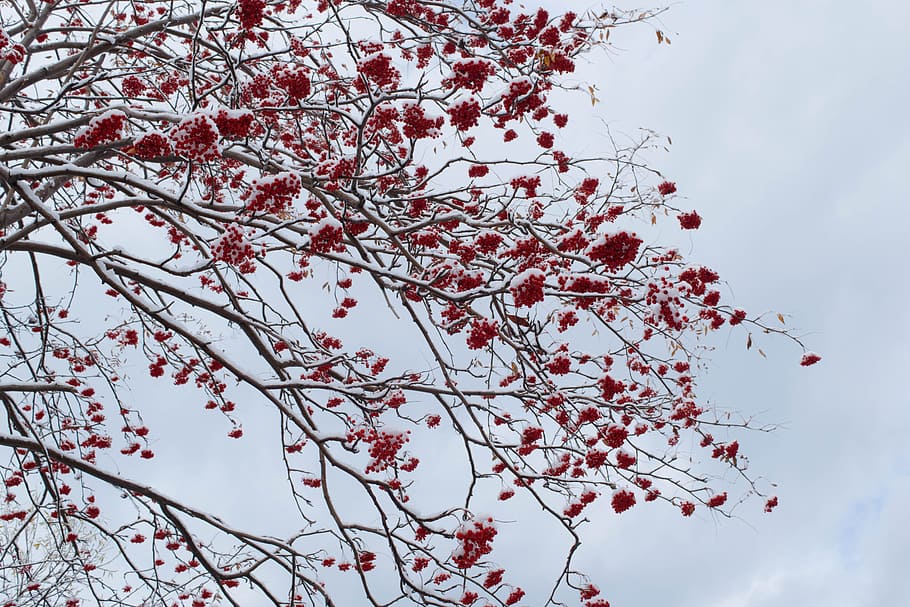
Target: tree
{"x": 233, "y": 198}
{"x": 31, "y": 564}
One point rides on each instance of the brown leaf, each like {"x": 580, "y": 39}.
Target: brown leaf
{"x": 518, "y": 320}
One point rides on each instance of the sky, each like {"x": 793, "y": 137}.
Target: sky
{"x": 791, "y": 138}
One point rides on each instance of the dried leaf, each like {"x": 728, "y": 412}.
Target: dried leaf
{"x": 780, "y": 317}
{"x": 762, "y": 353}
{"x": 519, "y": 320}
{"x": 660, "y": 36}
{"x": 749, "y": 341}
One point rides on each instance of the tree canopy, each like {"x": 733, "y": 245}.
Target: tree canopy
{"x": 362, "y": 225}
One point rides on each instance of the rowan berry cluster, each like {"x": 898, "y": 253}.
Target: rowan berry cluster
{"x": 809, "y": 359}
{"x": 527, "y": 288}
{"x": 417, "y": 125}
{"x": 615, "y": 250}
{"x": 689, "y": 221}
{"x": 294, "y": 80}
{"x": 464, "y": 114}
{"x": 327, "y": 236}
{"x": 384, "y": 447}
{"x": 233, "y": 248}
{"x": 470, "y": 74}
{"x": 272, "y": 194}
{"x": 586, "y": 189}
{"x": 234, "y": 124}
{"x": 623, "y": 499}
{"x": 377, "y": 69}
{"x": 666, "y": 188}
{"x": 250, "y": 13}
{"x": 483, "y": 330}
{"x": 476, "y": 538}
{"x": 196, "y": 138}
{"x": 104, "y": 128}
{"x": 151, "y": 145}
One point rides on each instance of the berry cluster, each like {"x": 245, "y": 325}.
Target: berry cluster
{"x": 527, "y": 287}
{"x": 384, "y": 447}
{"x": 326, "y": 236}
{"x": 13, "y": 53}
{"x": 293, "y": 80}
{"x": 151, "y": 145}
{"x": 689, "y": 221}
{"x": 234, "y": 124}
{"x": 623, "y": 499}
{"x": 476, "y": 539}
{"x": 470, "y": 74}
{"x": 104, "y": 128}
{"x": 417, "y": 125}
{"x": 232, "y": 247}
{"x": 482, "y": 332}
{"x": 378, "y": 69}
{"x": 196, "y": 138}
{"x": 250, "y": 13}
{"x": 272, "y": 194}
{"x": 464, "y": 114}
{"x": 616, "y": 250}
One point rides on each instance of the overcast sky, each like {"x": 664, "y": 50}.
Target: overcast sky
{"x": 791, "y": 137}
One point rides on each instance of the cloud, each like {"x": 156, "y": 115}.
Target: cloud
{"x": 791, "y": 138}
